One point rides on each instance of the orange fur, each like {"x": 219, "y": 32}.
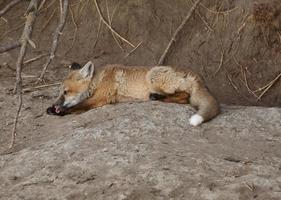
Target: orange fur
{"x": 88, "y": 88}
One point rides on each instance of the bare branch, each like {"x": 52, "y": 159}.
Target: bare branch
{"x": 30, "y": 18}
{"x": 58, "y": 32}
{"x": 9, "y": 6}
{"x": 173, "y": 39}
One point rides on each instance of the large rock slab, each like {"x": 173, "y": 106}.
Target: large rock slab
{"x": 149, "y": 151}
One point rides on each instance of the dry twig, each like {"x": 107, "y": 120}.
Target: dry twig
{"x": 268, "y": 86}
{"x": 75, "y": 31}
{"x": 173, "y": 39}
{"x": 110, "y": 23}
{"x": 133, "y": 50}
{"x": 231, "y": 81}
{"x": 98, "y": 34}
{"x": 58, "y": 32}
{"x": 30, "y": 18}
{"x": 9, "y": 46}
{"x": 8, "y": 66}
{"x": 221, "y": 62}
{"x": 244, "y": 75}
{"x": 46, "y": 7}
{"x": 41, "y": 4}
{"x": 9, "y": 6}
{"x": 219, "y": 11}
{"x": 82, "y": 5}
{"x": 110, "y": 28}
{"x": 35, "y": 58}
{"x": 203, "y": 20}
{"x": 40, "y": 87}
{"x": 48, "y": 20}
{"x": 4, "y": 19}
{"x": 250, "y": 187}
{"x": 12, "y": 30}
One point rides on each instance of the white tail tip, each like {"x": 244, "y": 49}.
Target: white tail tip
{"x": 196, "y": 120}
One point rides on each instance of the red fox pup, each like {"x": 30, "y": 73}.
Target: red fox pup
{"x": 86, "y": 88}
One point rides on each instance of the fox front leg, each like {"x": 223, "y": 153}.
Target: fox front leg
{"x": 88, "y": 105}
{"x": 84, "y": 106}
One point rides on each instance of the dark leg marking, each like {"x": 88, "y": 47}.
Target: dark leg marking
{"x": 156, "y": 97}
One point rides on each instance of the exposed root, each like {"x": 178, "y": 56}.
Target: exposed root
{"x": 173, "y": 39}
{"x": 58, "y": 32}
{"x": 30, "y": 18}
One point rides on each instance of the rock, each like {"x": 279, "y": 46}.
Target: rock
{"x": 149, "y": 151}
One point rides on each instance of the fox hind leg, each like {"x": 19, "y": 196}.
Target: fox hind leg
{"x": 156, "y": 97}
{"x": 178, "y": 97}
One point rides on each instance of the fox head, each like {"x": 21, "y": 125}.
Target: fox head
{"x": 74, "y": 89}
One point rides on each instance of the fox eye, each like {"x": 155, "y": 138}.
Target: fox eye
{"x": 64, "y": 92}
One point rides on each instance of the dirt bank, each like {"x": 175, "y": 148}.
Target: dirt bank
{"x": 234, "y": 45}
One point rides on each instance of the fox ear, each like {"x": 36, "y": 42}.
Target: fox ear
{"x": 88, "y": 70}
